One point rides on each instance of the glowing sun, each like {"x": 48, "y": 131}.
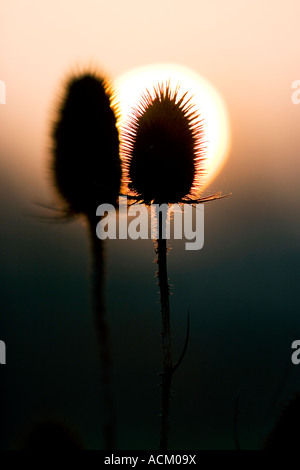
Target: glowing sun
{"x": 207, "y": 101}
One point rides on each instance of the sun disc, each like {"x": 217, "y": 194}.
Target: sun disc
{"x": 207, "y": 101}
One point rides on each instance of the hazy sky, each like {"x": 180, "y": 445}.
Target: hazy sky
{"x": 242, "y": 288}
{"x": 248, "y": 49}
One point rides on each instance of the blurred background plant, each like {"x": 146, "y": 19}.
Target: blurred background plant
{"x": 87, "y": 172}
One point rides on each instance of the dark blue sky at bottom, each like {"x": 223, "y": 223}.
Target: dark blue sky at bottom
{"x": 241, "y": 291}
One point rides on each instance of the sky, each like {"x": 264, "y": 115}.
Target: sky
{"x": 241, "y": 288}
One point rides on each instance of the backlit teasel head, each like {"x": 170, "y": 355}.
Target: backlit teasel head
{"x": 162, "y": 147}
{"x": 86, "y": 164}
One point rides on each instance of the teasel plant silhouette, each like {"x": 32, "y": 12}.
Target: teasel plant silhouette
{"x": 87, "y": 172}
{"x": 164, "y": 155}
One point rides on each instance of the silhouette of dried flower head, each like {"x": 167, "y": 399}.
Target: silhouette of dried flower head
{"x": 162, "y": 147}
{"x": 87, "y": 167}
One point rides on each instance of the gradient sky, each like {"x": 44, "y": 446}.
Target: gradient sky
{"x": 248, "y": 50}
{"x": 242, "y": 288}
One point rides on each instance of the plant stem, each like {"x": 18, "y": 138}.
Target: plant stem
{"x": 102, "y": 328}
{"x": 161, "y": 251}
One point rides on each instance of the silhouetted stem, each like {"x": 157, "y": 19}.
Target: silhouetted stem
{"x": 161, "y": 251}
{"x": 103, "y": 336}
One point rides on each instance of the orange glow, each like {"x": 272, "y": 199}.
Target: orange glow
{"x": 207, "y": 101}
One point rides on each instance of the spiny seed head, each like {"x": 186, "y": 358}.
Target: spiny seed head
{"x": 86, "y": 164}
{"x": 162, "y": 147}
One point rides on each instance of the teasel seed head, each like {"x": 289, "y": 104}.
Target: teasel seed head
{"x": 162, "y": 147}
{"x": 86, "y": 163}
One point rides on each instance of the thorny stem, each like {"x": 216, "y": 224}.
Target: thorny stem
{"x": 102, "y": 328}
{"x": 161, "y": 250}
